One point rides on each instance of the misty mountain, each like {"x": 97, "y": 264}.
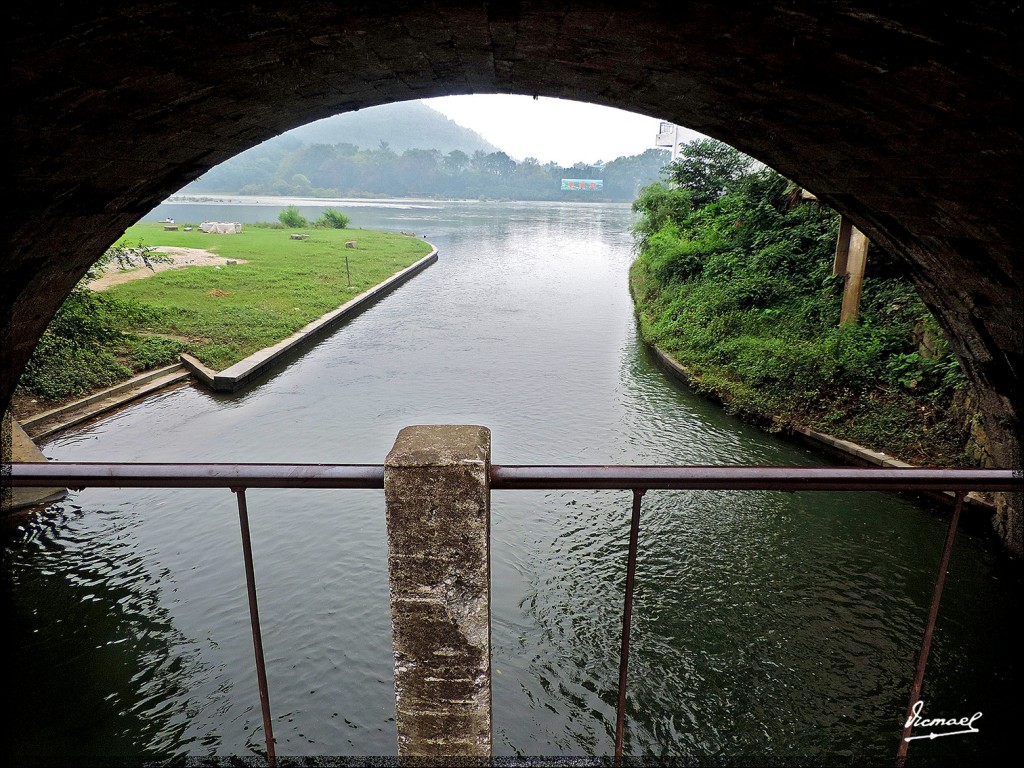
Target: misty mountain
{"x": 410, "y": 150}
{"x": 400, "y": 127}
{"x": 403, "y": 125}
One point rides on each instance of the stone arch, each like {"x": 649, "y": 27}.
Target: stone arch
{"x": 901, "y": 116}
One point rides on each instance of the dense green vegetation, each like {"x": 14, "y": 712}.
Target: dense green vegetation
{"x": 344, "y": 170}
{"x": 85, "y": 346}
{"x": 219, "y": 314}
{"x": 734, "y": 280}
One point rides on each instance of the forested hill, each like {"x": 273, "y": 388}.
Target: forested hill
{"x": 404, "y": 125}
{"x": 409, "y": 150}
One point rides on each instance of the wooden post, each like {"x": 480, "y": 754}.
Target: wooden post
{"x": 850, "y": 261}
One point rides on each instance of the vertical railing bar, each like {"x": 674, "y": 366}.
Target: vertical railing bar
{"x": 627, "y": 617}
{"x": 254, "y": 618}
{"x": 926, "y": 643}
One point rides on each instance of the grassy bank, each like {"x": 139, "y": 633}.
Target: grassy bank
{"x": 219, "y": 314}
{"x": 227, "y": 314}
{"x": 735, "y": 282}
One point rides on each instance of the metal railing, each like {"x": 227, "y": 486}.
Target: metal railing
{"x": 638, "y": 479}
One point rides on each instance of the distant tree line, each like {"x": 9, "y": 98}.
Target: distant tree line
{"x": 344, "y": 170}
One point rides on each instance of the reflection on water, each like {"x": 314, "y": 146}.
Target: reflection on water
{"x": 100, "y": 668}
{"x": 766, "y": 624}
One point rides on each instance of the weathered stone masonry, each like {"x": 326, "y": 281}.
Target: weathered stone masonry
{"x": 902, "y": 116}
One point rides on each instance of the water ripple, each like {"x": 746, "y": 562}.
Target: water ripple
{"x": 766, "y": 624}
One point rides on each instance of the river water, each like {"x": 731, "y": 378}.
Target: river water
{"x": 770, "y": 625}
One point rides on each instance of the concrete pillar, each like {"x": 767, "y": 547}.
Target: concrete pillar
{"x": 850, "y": 261}
{"x": 437, "y": 490}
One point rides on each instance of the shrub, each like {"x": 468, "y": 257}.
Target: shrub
{"x": 659, "y": 205}
{"x": 671, "y": 256}
{"x": 60, "y": 368}
{"x": 291, "y": 217}
{"x": 85, "y": 346}
{"x": 332, "y": 218}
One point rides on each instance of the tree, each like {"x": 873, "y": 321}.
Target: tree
{"x": 455, "y": 162}
{"x": 709, "y": 169}
{"x": 416, "y": 171}
{"x": 478, "y": 160}
{"x": 499, "y": 164}
{"x": 625, "y": 176}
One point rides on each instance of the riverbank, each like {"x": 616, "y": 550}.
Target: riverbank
{"x": 247, "y": 371}
{"x": 738, "y": 284}
{"x": 845, "y": 451}
{"x": 285, "y": 283}
{"x": 252, "y": 292}
{"x": 923, "y": 428}
{"x": 41, "y": 424}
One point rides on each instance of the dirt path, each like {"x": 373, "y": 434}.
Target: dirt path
{"x": 182, "y": 257}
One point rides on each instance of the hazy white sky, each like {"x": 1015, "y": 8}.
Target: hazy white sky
{"x": 552, "y": 129}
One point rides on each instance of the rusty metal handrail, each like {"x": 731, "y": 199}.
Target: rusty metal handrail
{"x": 637, "y": 479}
{"x": 194, "y": 475}
{"x": 503, "y": 477}
{"x": 651, "y": 477}
{"x": 254, "y": 620}
{"x": 929, "y": 630}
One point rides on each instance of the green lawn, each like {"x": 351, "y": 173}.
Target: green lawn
{"x": 225, "y": 314}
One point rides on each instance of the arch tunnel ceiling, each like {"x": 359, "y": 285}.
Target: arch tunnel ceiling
{"x": 901, "y": 115}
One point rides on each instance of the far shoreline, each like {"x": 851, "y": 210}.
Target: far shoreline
{"x": 233, "y": 198}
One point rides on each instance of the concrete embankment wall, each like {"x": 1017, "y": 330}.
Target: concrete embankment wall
{"x": 844, "y": 450}
{"x": 249, "y": 370}
{"x": 15, "y": 445}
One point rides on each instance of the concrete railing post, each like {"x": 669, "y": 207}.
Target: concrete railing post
{"x": 437, "y": 490}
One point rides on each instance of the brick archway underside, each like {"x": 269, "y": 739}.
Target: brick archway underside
{"x": 904, "y": 116}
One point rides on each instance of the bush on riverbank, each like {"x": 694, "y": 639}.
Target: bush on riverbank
{"x": 331, "y": 218}
{"x": 88, "y": 346}
{"x": 290, "y": 217}
{"x": 739, "y": 289}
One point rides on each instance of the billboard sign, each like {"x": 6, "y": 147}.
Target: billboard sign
{"x": 592, "y": 184}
